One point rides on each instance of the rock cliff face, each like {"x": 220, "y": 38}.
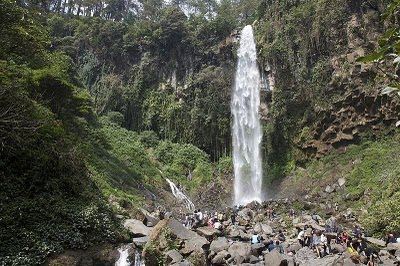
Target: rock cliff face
{"x": 323, "y": 98}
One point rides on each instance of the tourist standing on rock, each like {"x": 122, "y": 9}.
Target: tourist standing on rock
{"x": 300, "y": 238}
{"x": 233, "y": 217}
{"x": 308, "y": 237}
{"x": 325, "y": 245}
{"x": 255, "y": 238}
{"x": 315, "y": 218}
{"x": 268, "y": 213}
{"x": 315, "y": 243}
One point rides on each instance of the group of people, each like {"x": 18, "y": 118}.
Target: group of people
{"x": 213, "y": 220}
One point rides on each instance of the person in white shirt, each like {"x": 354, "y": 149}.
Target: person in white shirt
{"x": 300, "y": 238}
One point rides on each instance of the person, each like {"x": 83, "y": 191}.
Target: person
{"x": 315, "y": 243}
{"x": 200, "y": 215}
{"x": 328, "y": 229}
{"x": 315, "y": 218}
{"x": 300, "y": 238}
{"x": 291, "y": 212}
{"x": 308, "y": 236}
{"x": 255, "y": 238}
{"x": 233, "y": 217}
{"x": 217, "y": 225}
{"x": 357, "y": 231}
{"x": 345, "y": 237}
{"x": 390, "y": 239}
{"x": 220, "y": 216}
{"x": 211, "y": 222}
{"x": 325, "y": 245}
{"x": 279, "y": 247}
{"x": 268, "y": 213}
{"x": 271, "y": 246}
{"x": 350, "y": 247}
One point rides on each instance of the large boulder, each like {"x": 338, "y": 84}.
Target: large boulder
{"x": 375, "y": 241}
{"x": 208, "y": 232}
{"x": 137, "y": 228}
{"x": 219, "y": 259}
{"x": 256, "y": 249}
{"x": 267, "y": 229}
{"x": 240, "y": 251}
{"x": 274, "y": 258}
{"x": 305, "y": 254}
{"x": 219, "y": 244}
{"x": 393, "y": 247}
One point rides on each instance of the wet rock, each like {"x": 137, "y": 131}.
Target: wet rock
{"x": 219, "y": 244}
{"x": 174, "y": 256}
{"x": 137, "y": 228}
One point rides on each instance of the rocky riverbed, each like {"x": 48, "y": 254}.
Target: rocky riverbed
{"x": 169, "y": 242}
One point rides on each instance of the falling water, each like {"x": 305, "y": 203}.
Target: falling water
{"x": 123, "y": 256}
{"x": 180, "y": 196}
{"x": 246, "y": 129}
{"x": 123, "y": 259}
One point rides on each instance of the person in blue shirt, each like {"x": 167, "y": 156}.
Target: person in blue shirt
{"x": 271, "y": 246}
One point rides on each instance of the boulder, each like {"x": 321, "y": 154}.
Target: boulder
{"x": 219, "y": 245}
{"x": 329, "y": 189}
{"x": 174, "y": 256}
{"x": 294, "y": 247}
{"x": 254, "y": 259}
{"x": 198, "y": 257}
{"x": 305, "y": 254}
{"x": 183, "y": 263}
{"x": 337, "y": 248}
{"x": 220, "y": 257}
{"x": 341, "y": 181}
{"x": 393, "y": 247}
{"x": 149, "y": 219}
{"x": 240, "y": 251}
{"x": 267, "y": 229}
{"x": 136, "y": 227}
{"x": 193, "y": 241}
{"x": 208, "y": 232}
{"x": 140, "y": 241}
{"x": 376, "y": 241}
{"x": 256, "y": 249}
{"x": 274, "y": 258}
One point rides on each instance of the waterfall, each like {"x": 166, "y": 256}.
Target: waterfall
{"x": 180, "y": 196}
{"x": 123, "y": 259}
{"x": 123, "y": 256}
{"x": 246, "y": 128}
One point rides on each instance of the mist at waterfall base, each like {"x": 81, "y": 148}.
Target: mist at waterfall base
{"x": 246, "y": 127}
